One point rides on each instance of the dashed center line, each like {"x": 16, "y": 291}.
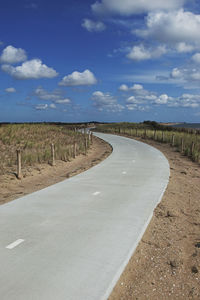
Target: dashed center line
{"x": 15, "y": 244}
{"x": 96, "y": 193}
{"x": 133, "y": 161}
{"x": 124, "y": 172}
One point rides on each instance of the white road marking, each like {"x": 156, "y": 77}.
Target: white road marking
{"x": 96, "y": 193}
{"x": 15, "y": 244}
{"x": 133, "y": 161}
{"x": 124, "y": 172}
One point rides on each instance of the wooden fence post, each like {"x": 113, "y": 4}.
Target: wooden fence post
{"x": 163, "y": 136}
{"x": 53, "y": 155}
{"x": 173, "y": 139}
{"x": 136, "y": 132}
{"x": 182, "y": 145}
{"x": 91, "y": 137}
{"x": 154, "y": 135}
{"x": 19, "y": 164}
{"x": 74, "y": 150}
{"x": 85, "y": 145}
{"x": 192, "y": 147}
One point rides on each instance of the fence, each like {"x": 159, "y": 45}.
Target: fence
{"x": 28, "y": 145}
{"x": 188, "y": 143}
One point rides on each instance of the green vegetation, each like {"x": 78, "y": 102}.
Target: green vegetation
{"x": 35, "y": 141}
{"x": 187, "y": 141}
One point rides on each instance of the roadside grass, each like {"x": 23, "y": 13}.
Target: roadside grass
{"x": 34, "y": 141}
{"x": 186, "y": 141}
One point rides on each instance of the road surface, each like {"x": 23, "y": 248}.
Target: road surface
{"x": 71, "y": 241}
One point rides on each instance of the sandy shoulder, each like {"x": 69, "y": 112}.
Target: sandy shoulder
{"x": 166, "y": 263}
{"x": 43, "y": 175}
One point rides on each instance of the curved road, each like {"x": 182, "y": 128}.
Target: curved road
{"x": 72, "y": 240}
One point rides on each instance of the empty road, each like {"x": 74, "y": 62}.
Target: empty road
{"x": 72, "y": 240}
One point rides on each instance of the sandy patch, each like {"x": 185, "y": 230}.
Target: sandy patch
{"x": 43, "y": 175}
{"x": 166, "y": 263}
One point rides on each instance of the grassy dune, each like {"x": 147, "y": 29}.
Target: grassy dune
{"x": 34, "y": 141}
{"x": 186, "y": 141}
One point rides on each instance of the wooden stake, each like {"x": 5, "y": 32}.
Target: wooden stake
{"x": 74, "y": 150}
{"x": 154, "y": 135}
{"x": 19, "y": 165}
{"x": 163, "y": 136}
{"x": 182, "y": 145}
{"x": 192, "y": 147}
{"x": 173, "y": 139}
{"x": 53, "y": 155}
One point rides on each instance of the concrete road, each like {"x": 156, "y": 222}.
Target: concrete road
{"x": 72, "y": 240}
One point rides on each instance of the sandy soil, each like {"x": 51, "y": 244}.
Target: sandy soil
{"x": 166, "y": 263}
{"x": 40, "y": 176}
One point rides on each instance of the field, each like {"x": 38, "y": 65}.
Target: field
{"x": 35, "y": 142}
{"x": 186, "y": 141}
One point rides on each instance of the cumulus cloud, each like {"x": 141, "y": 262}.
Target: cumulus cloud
{"x": 31, "y": 69}
{"x": 143, "y": 101}
{"x": 130, "y": 7}
{"x": 184, "y": 48}
{"x": 92, "y": 26}
{"x": 196, "y": 58}
{"x": 56, "y": 96}
{"x": 173, "y": 27}
{"x": 105, "y": 101}
{"x": 63, "y": 101}
{"x": 135, "y": 87}
{"x": 10, "y": 90}
{"x": 123, "y": 88}
{"x": 45, "y": 95}
{"x": 52, "y": 105}
{"x": 41, "y": 106}
{"x": 12, "y": 55}
{"x": 189, "y": 74}
{"x": 139, "y": 53}
{"x": 78, "y": 78}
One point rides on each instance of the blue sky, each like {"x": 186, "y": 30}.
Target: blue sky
{"x": 109, "y": 60}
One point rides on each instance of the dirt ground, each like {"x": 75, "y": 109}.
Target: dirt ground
{"x": 166, "y": 263}
{"x": 40, "y": 176}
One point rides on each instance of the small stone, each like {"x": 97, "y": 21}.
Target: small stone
{"x": 194, "y": 270}
{"x": 197, "y": 245}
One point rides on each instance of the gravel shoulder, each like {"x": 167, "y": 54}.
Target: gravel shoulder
{"x": 43, "y": 175}
{"x": 166, "y": 263}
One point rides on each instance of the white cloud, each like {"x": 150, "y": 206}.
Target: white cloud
{"x": 52, "y": 105}
{"x": 92, "y": 26}
{"x": 77, "y": 78}
{"x": 41, "y": 106}
{"x": 130, "y": 7}
{"x": 56, "y": 96}
{"x": 196, "y": 58}
{"x": 10, "y": 90}
{"x": 184, "y": 48}
{"x": 45, "y": 95}
{"x": 123, "y": 88}
{"x": 31, "y": 69}
{"x": 148, "y": 99}
{"x": 105, "y": 101}
{"x": 173, "y": 27}
{"x": 176, "y": 73}
{"x": 136, "y": 87}
{"x": 188, "y": 74}
{"x": 12, "y": 55}
{"x": 63, "y": 101}
{"x": 139, "y": 53}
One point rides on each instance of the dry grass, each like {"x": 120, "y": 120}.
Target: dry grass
{"x": 186, "y": 141}
{"x": 34, "y": 141}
